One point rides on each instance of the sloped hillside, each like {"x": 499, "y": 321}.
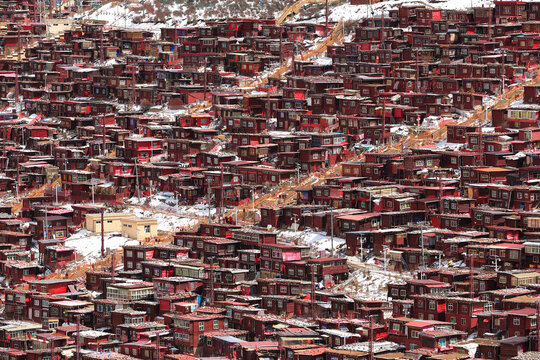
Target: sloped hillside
{"x": 152, "y": 14}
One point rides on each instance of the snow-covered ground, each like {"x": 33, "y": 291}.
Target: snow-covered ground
{"x": 356, "y": 12}
{"x": 88, "y": 245}
{"x": 166, "y": 202}
{"x": 370, "y": 283}
{"x": 154, "y": 14}
{"x": 162, "y": 207}
{"x": 171, "y": 215}
{"x": 319, "y": 241}
{"x": 166, "y": 222}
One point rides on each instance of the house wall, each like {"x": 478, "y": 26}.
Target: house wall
{"x": 113, "y": 223}
{"x": 139, "y": 229}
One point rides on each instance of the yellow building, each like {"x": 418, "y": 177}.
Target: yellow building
{"x": 129, "y": 225}
{"x": 113, "y": 222}
{"x": 139, "y": 228}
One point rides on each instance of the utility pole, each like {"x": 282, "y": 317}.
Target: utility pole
{"x": 280, "y": 45}
{"x": 158, "y": 346}
{"x": 313, "y": 267}
{"x": 113, "y": 272}
{"x": 103, "y": 134}
{"x": 268, "y": 104}
{"x": 53, "y": 350}
{"x": 371, "y": 340}
{"x": 17, "y": 107}
{"x": 538, "y": 326}
{"x": 78, "y": 349}
{"x": 326, "y": 25}
{"x": 18, "y": 43}
{"x": 205, "y": 84}
{"x": 222, "y": 194}
{"x": 103, "y": 231}
{"x": 490, "y": 12}
{"x": 384, "y": 257}
{"x": 331, "y": 232}
{"x": 417, "y": 74}
{"x": 212, "y": 281}
{"x": 4, "y": 154}
{"x": 471, "y": 278}
{"x": 362, "y": 238}
{"x": 133, "y": 87}
{"x": 46, "y": 225}
{"x": 137, "y": 181}
{"x": 292, "y": 60}
{"x": 253, "y": 202}
{"x": 209, "y": 212}
{"x": 18, "y": 174}
{"x": 382, "y": 29}
{"x": 503, "y": 74}
{"x": 102, "y": 54}
{"x": 422, "y": 245}
{"x": 440, "y": 195}
{"x": 383, "y": 132}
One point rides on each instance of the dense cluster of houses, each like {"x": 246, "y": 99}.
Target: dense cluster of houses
{"x": 105, "y": 114}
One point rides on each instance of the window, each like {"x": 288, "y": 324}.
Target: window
{"x": 516, "y": 321}
{"x": 201, "y": 325}
{"x": 147, "y": 229}
{"x": 414, "y": 334}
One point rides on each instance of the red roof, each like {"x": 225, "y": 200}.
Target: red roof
{"x": 523, "y": 312}
{"x": 510, "y": 245}
{"x": 423, "y": 323}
